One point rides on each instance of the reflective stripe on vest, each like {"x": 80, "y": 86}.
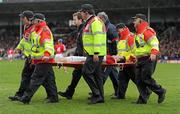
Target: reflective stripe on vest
{"x": 90, "y": 33}
{"x": 95, "y": 45}
{"x": 88, "y": 37}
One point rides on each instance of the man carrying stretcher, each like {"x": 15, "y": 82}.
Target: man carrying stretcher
{"x": 126, "y": 48}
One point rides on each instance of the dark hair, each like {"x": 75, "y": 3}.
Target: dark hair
{"x": 87, "y": 8}
{"x": 39, "y": 16}
{"x": 141, "y": 16}
{"x": 28, "y": 14}
{"x": 91, "y": 12}
{"x": 120, "y": 25}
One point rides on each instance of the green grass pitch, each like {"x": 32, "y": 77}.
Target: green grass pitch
{"x": 168, "y": 75}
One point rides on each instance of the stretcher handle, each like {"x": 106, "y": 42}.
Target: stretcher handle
{"x": 121, "y": 66}
{"x": 60, "y": 64}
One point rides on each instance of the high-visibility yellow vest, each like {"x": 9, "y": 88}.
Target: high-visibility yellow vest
{"x": 144, "y": 47}
{"x": 25, "y": 46}
{"x": 94, "y": 37}
{"x": 124, "y": 49}
{"x": 39, "y": 49}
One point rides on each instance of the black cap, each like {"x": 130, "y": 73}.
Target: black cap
{"x": 120, "y": 25}
{"x": 39, "y": 16}
{"x": 141, "y": 16}
{"x": 87, "y": 7}
{"x": 28, "y": 14}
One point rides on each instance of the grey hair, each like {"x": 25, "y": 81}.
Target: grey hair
{"x": 103, "y": 14}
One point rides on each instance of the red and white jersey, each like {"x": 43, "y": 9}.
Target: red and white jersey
{"x": 59, "y": 48}
{"x": 10, "y": 52}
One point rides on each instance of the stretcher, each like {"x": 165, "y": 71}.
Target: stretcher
{"x": 80, "y": 64}
{"x": 77, "y": 62}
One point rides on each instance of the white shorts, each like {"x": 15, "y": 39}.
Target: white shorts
{"x": 10, "y": 56}
{"x": 58, "y": 55}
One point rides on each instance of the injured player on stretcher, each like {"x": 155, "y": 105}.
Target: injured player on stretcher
{"x": 107, "y": 59}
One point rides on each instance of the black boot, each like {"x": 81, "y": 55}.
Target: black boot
{"x": 52, "y": 101}
{"x": 140, "y": 101}
{"x": 14, "y": 98}
{"x": 117, "y": 97}
{"x": 95, "y": 100}
{"x": 161, "y": 97}
{"x": 68, "y": 93}
{"x": 24, "y": 100}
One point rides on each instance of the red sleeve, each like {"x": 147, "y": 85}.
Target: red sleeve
{"x": 131, "y": 40}
{"x": 46, "y": 53}
{"x": 154, "y": 51}
{"x": 45, "y": 35}
{"x": 110, "y": 59}
{"x": 148, "y": 34}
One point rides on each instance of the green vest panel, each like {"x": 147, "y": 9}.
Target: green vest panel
{"x": 39, "y": 49}
{"x": 142, "y": 47}
{"x": 25, "y": 47}
{"x": 124, "y": 49}
{"x": 94, "y": 37}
